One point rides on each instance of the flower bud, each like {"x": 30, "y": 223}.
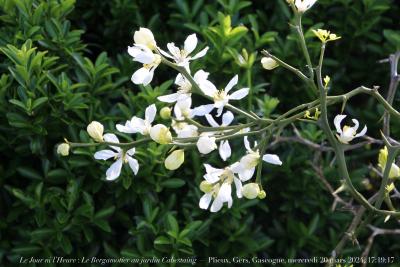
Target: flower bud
{"x": 206, "y": 187}
{"x": 206, "y": 144}
{"x": 63, "y": 149}
{"x": 145, "y": 37}
{"x": 161, "y": 134}
{"x": 165, "y": 113}
{"x": 251, "y": 190}
{"x": 269, "y": 63}
{"x": 95, "y": 130}
{"x": 394, "y": 171}
{"x": 175, "y": 160}
{"x": 262, "y": 194}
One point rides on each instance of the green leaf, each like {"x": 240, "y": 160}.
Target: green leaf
{"x": 173, "y": 183}
{"x": 104, "y": 225}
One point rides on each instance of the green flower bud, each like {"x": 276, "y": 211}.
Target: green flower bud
{"x": 63, "y": 149}
{"x": 262, "y": 194}
{"x": 206, "y": 187}
{"x": 165, "y": 113}
{"x": 251, "y": 190}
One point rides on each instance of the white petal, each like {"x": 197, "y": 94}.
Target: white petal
{"x": 125, "y": 128}
{"x": 272, "y": 158}
{"x": 227, "y": 118}
{"x": 246, "y": 143}
{"x": 115, "y": 170}
{"x": 149, "y": 77}
{"x": 202, "y": 110}
{"x": 168, "y": 98}
{"x": 175, "y": 51}
{"x": 164, "y": 53}
{"x": 139, "y": 75}
{"x": 239, "y": 94}
{"x": 205, "y": 201}
{"x": 225, "y": 150}
{"x": 138, "y": 125}
{"x": 212, "y": 174}
{"x": 216, "y": 205}
{"x": 111, "y": 138}
{"x": 134, "y": 164}
{"x": 231, "y": 83}
{"x": 219, "y": 110}
{"x": 337, "y": 121}
{"x": 202, "y": 53}
{"x": 211, "y": 121}
{"x": 238, "y": 185}
{"x": 190, "y": 43}
{"x": 246, "y": 174}
{"x": 145, "y": 58}
{"x": 105, "y": 154}
{"x": 150, "y": 113}
{"x": 208, "y": 88}
{"x": 363, "y": 132}
{"x": 356, "y": 125}
{"x": 200, "y": 76}
{"x": 131, "y": 151}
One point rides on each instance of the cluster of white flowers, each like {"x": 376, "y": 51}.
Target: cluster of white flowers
{"x": 217, "y": 183}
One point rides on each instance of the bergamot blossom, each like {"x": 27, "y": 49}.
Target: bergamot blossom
{"x": 184, "y": 130}
{"x": 161, "y": 134}
{"x": 145, "y": 37}
{"x": 95, "y": 130}
{"x": 182, "y": 109}
{"x": 303, "y": 5}
{"x": 222, "y": 97}
{"x": 224, "y": 147}
{"x": 218, "y": 186}
{"x": 138, "y": 125}
{"x": 63, "y": 149}
{"x": 382, "y": 159}
{"x": 325, "y": 36}
{"x": 269, "y": 63}
{"x": 248, "y": 163}
{"x": 348, "y": 133}
{"x": 150, "y": 61}
{"x": 174, "y": 160}
{"x": 120, "y": 156}
{"x": 206, "y": 144}
{"x": 184, "y": 87}
{"x": 182, "y": 56}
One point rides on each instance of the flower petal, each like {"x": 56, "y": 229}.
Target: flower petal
{"x": 202, "y": 53}
{"x": 246, "y": 143}
{"x": 363, "y": 132}
{"x": 231, "y": 83}
{"x": 150, "y": 113}
{"x": 134, "y": 164}
{"x": 205, "y": 201}
{"x": 169, "y": 98}
{"x": 356, "y": 125}
{"x": 337, "y": 121}
{"x": 190, "y": 43}
{"x": 227, "y": 118}
{"x": 202, "y": 110}
{"x": 114, "y": 171}
{"x": 211, "y": 121}
{"x": 272, "y": 158}
{"x": 239, "y": 94}
{"x": 225, "y": 150}
{"x": 105, "y": 154}
{"x": 131, "y": 151}
{"x": 208, "y": 88}
{"x": 238, "y": 185}
{"x": 139, "y": 75}
{"x": 149, "y": 77}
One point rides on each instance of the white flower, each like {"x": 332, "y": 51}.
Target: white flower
{"x": 218, "y": 186}
{"x": 184, "y": 87}
{"x": 247, "y": 164}
{"x": 150, "y": 61}
{"x": 184, "y": 130}
{"x": 182, "y": 56}
{"x": 119, "y": 155}
{"x": 269, "y": 63}
{"x": 145, "y": 37}
{"x": 161, "y": 134}
{"x": 224, "y": 147}
{"x": 206, "y": 144}
{"x": 251, "y": 190}
{"x": 221, "y": 97}
{"x": 347, "y": 133}
{"x": 138, "y": 125}
{"x": 304, "y": 5}
{"x": 63, "y": 149}
{"x": 95, "y": 130}
{"x": 182, "y": 109}
{"x": 175, "y": 160}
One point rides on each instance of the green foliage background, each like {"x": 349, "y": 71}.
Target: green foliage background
{"x": 64, "y": 63}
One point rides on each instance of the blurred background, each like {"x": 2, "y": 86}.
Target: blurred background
{"x": 64, "y": 63}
